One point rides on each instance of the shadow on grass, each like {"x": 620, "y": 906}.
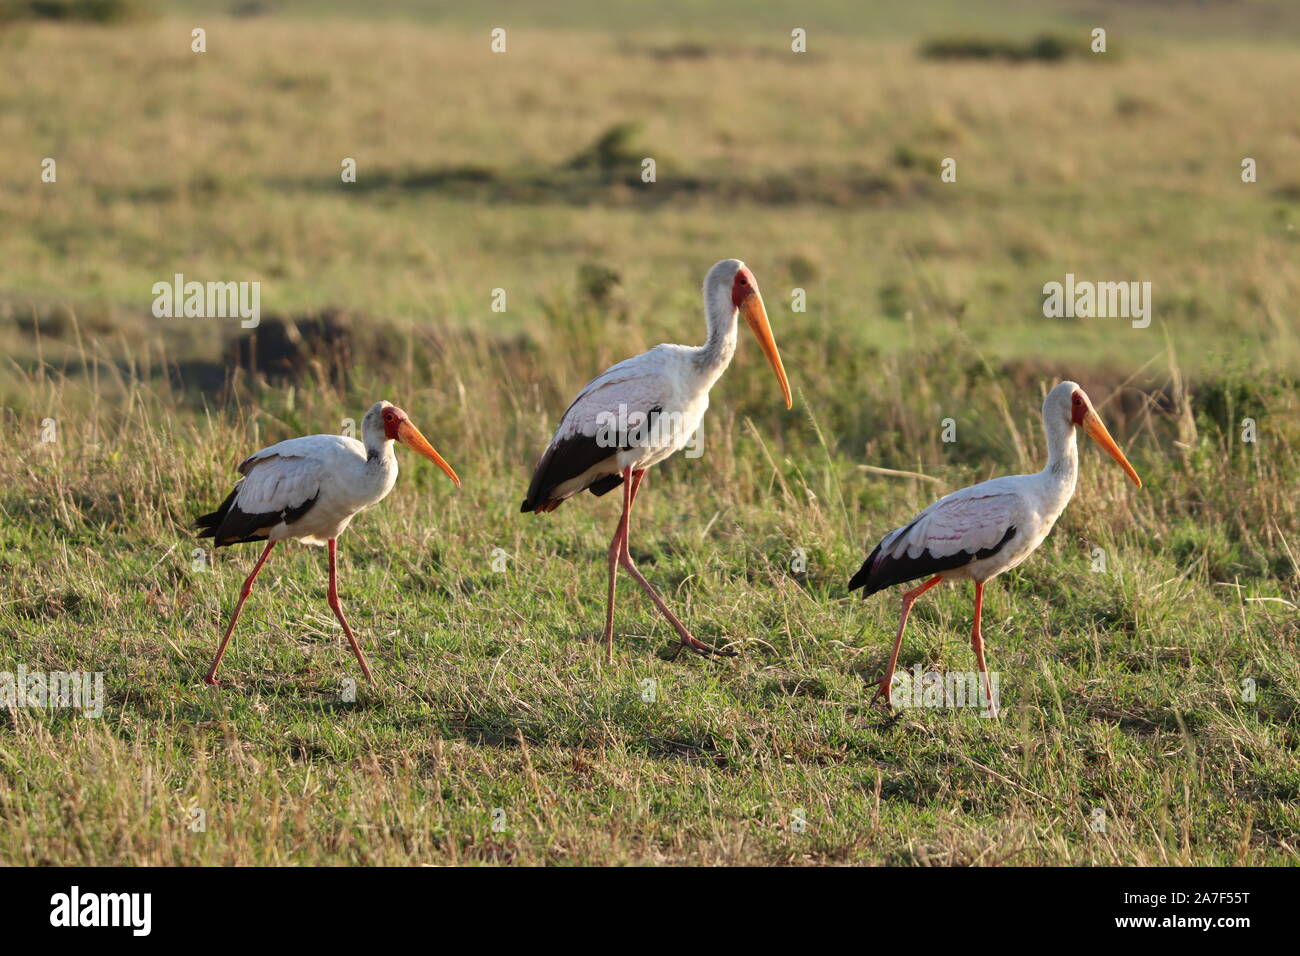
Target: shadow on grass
{"x": 597, "y": 185}
{"x": 496, "y": 725}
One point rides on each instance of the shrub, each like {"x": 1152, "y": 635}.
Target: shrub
{"x": 93, "y": 11}
{"x": 1046, "y": 48}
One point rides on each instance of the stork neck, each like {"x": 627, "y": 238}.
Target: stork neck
{"x": 1062, "y": 453}
{"x": 715, "y": 355}
{"x": 378, "y": 445}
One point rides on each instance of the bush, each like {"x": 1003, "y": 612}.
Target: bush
{"x": 93, "y": 11}
{"x": 614, "y": 149}
{"x": 1046, "y": 48}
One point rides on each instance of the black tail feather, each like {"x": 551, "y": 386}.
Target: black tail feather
{"x": 211, "y": 522}
{"x": 863, "y": 576}
{"x": 228, "y": 525}
{"x": 605, "y": 485}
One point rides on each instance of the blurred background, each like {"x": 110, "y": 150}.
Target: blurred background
{"x": 521, "y": 171}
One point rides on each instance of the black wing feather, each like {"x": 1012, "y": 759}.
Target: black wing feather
{"x": 567, "y": 459}
{"x": 564, "y": 461}
{"x": 878, "y": 573}
{"x": 228, "y": 525}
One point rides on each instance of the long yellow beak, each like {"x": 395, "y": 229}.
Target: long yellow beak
{"x": 756, "y": 317}
{"x": 410, "y": 436}
{"x": 1095, "y": 430}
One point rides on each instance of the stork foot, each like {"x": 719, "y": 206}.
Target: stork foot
{"x": 883, "y": 698}
{"x": 689, "y": 643}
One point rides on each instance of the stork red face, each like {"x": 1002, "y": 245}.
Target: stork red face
{"x": 747, "y": 300}
{"x": 398, "y": 428}
{"x": 1085, "y": 416}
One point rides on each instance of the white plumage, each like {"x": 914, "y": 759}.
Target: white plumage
{"x": 977, "y": 519}
{"x": 966, "y": 520}
{"x": 332, "y": 471}
{"x": 666, "y": 388}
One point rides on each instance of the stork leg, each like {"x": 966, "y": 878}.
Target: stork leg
{"x": 616, "y": 547}
{"x": 338, "y": 612}
{"x": 636, "y": 486}
{"x": 886, "y": 689}
{"x": 632, "y": 481}
{"x": 977, "y": 645}
{"x": 247, "y": 589}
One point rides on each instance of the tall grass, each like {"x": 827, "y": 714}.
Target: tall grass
{"x": 490, "y": 693}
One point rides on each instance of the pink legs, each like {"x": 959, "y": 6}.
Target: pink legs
{"x": 887, "y": 685}
{"x": 617, "y": 548}
{"x": 977, "y": 645}
{"x": 247, "y": 589}
{"x": 338, "y": 612}
{"x": 619, "y": 555}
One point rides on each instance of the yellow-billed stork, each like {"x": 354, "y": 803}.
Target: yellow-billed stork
{"x": 979, "y": 532}
{"x": 310, "y": 489}
{"x": 642, "y": 410}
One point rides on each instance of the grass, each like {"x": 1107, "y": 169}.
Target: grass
{"x": 1122, "y": 689}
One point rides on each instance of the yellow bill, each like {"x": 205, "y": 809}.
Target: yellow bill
{"x": 410, "y": 436}
{"x": 756, "y": 317}
{"x": 1092, "y": 425}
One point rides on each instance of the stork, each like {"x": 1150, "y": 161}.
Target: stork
{"x": 978, "y": 532}
{"x": 639, "y": 412}
{"x": 310, "y": 489}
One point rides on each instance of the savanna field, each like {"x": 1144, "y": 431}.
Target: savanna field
{"x": 1148, "y": 652}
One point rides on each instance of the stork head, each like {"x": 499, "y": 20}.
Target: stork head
{"x": 386, "y": 422}
{"x": 730, "y": 286}
{"x": 1070, "y": 402}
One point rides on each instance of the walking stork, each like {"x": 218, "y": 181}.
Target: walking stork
{"x": 642, "y": 410}
{"x": 310, "y": 489}
{"x": 979, "y": 532}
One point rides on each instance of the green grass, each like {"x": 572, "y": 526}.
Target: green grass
{"x": 1121, "y": 690}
